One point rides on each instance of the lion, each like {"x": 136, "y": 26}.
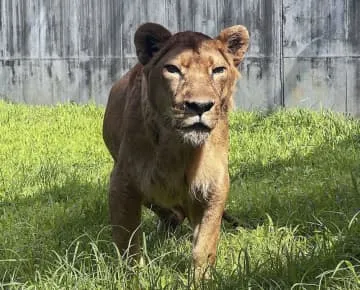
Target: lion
{"x": 166, "y": 127}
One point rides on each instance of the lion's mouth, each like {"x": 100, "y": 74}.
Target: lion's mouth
{"x": 198, "y": 127}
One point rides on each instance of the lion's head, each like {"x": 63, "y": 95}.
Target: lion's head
{"x": 190, "y": 77}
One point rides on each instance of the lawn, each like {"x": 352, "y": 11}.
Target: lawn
{"x": 295, "y": 187}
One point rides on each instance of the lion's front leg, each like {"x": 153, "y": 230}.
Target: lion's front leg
{"x": 206, "y": 223}
{"x": 125, "y": 215}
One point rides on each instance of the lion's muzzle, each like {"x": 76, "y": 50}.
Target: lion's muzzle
{"x": 196, "y": 129}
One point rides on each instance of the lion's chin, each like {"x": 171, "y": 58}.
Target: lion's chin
{"x": 195, "y": 138}
{"x": 195, "y": 135}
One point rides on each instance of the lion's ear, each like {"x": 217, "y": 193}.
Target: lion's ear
{"x": 236, "y": 40}
{"x": 149, "y": 38}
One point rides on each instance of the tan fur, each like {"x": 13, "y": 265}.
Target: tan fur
{"x": 170, "y": 153}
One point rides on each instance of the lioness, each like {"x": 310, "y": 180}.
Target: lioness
{"x": 166, "y": 127}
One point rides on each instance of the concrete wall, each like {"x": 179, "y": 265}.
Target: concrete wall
{"x": 303, "y": 53}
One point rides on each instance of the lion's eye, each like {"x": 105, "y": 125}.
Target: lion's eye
{"x": 172, "y": 69}
{"x": 219, "y": 70}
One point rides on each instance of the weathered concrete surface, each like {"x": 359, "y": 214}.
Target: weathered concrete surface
{"x": 302, "y": 53}
{"x": 321, "y": 50}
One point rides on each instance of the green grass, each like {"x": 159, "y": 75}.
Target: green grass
{"x": 295, "y": 185}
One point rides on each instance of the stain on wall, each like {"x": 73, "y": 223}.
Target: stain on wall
{"x": 302, "y": 53}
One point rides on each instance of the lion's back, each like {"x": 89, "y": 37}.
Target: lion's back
{"x": 115, "y": 109}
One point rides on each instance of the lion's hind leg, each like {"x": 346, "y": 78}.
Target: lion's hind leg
{"x": 169, "y": 219}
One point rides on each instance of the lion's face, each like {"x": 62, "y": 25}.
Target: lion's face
{"x": 190, "y": 89}
{"x": 190, "y": 83}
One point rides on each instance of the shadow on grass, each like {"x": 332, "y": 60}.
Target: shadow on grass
{"x": 295, "y": 190}
{"x": 48, "y": 222}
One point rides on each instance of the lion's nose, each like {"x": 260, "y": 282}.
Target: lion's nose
{"x": 199, "y": 107}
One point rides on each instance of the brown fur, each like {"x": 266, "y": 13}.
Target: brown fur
{"x": 167, "y": 154}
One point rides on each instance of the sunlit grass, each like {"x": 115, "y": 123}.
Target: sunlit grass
{"x": 295, "y": 185}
